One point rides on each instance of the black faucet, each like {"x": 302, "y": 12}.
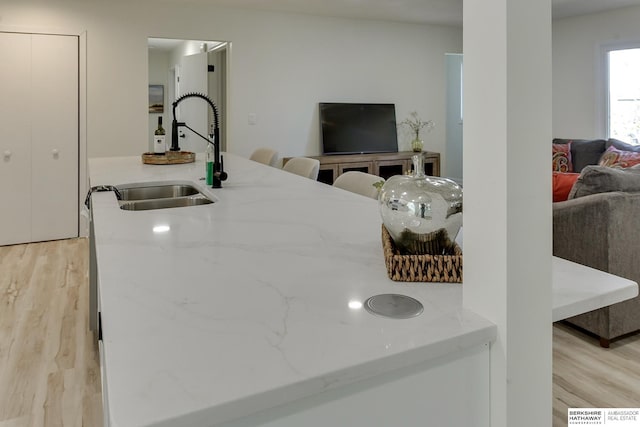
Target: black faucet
{"x": 219, "y": 174}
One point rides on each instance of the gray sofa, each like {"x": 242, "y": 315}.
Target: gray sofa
{"x": 599, "y": 226}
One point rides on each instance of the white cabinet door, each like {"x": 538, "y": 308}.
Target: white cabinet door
{"x": 38, "y": 137}
{"x": 54, "y": 137}
{"x": 15, "y": 138}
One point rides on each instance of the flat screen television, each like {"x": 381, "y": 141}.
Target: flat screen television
{"x": 350, "y": 128}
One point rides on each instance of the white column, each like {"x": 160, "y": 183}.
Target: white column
{"x": 507, "y": 199}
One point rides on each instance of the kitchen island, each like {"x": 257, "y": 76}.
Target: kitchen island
{"x": 248, "y": 311}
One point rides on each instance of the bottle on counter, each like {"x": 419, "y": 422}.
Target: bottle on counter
{"x": 159, "y": 144}
{"x": 209, "y": 164}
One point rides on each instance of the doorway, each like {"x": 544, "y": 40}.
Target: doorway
{"x": 187, "y": 66}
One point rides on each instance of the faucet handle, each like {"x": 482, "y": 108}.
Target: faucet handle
{"x": 219, "y": 174}
{"x": 223, "y": 174}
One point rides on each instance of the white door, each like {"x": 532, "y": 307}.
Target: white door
{"x": 193, "y": 111}
{"x": 54, "y": 137}
{"x": 15, "y": 138}
{"x": 38, "y": 137}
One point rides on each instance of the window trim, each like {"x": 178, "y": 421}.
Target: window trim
{"x": 602, "y": 82}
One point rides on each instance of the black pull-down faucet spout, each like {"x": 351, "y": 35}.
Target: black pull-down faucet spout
{"x": 219, "y": 174}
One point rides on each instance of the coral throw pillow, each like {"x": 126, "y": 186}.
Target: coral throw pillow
{"x": 615, "y": 158}
{"x": 562, "y": 184}
{"x": 562, "y": 157}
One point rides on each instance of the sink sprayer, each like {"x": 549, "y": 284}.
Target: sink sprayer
{"x": 99, "y": 188}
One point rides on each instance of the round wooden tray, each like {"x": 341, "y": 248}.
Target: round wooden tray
{"x": 169, "y": 158}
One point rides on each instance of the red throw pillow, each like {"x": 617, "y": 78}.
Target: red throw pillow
{"x": 562, "y": 184}
{"x": 615, "y": 158}
{"x": 561, "y": 160}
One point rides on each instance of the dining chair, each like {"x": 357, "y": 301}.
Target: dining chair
{"x": 303, "y": 166}
{"x": 263, "y": 155}
{"x": 359, "y": 182}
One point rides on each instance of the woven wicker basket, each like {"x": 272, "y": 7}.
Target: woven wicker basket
{"x": 169, "y": 158}
{"x": 421, "y": 268}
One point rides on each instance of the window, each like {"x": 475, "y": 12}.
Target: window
{"x": 624, "y": 94}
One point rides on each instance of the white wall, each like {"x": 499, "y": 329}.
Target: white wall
{"x": 578, "y": 110}
{"x": 454, "y": 117}
{"x": 282, "y": 65}
{"x": 159, "y": 75}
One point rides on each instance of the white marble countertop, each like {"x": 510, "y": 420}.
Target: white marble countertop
{"x": 244, "y": 304}
{"x": 578, "y": 289}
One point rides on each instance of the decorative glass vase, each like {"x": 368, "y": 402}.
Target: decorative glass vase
{"x": 417, "y": 144}
{"x": 423, "y": 214}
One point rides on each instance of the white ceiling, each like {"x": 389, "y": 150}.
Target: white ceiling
{"x": 567, "y": 8}
{"x": 418, "y": 11}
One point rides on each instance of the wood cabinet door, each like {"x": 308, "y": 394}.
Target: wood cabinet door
{"x": 15, "y": 138}
{"x": 366, "y": 167}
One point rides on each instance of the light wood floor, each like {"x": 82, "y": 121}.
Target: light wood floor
{"x": 49, "y": 369}
{"x": 586, "y": 375}
{"x": 50, "y": 375}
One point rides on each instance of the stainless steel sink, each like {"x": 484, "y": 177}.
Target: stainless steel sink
{"x": 175, "y": 202}
{"x": 161, "y": 195}
{"x": 160, "y": 191}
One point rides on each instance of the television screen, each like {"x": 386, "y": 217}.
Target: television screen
{"x": 348, "y": 128}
